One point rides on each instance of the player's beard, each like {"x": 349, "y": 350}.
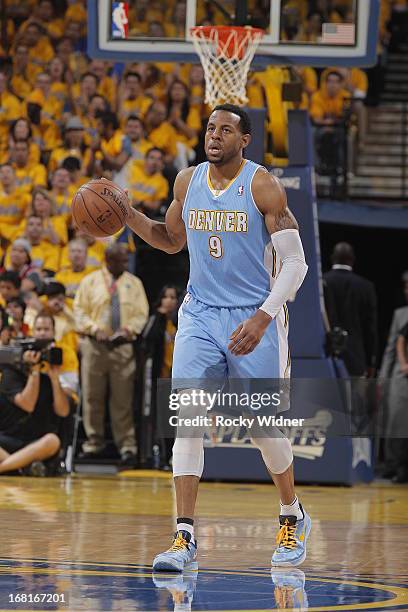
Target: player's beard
{"x": 217, "y": 162}
{"x": 226, "y": 156}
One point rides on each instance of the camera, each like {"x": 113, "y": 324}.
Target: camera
{"x": 13, "y": 355}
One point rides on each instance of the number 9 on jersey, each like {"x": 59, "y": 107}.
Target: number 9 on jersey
{"x": 215, "y": 246}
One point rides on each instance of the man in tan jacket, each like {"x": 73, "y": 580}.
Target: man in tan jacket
{"x": 110, "y": 310}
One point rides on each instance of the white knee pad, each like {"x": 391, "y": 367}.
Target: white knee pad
{"x": 188, "y": 457}
{"x": 276, "y": 452}
{"x": 188, "y": 449}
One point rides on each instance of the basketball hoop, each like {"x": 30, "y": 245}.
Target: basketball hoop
{"x": 226, "y": 54}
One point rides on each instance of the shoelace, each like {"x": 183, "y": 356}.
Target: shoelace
{"x": 179, "y": 543}
{"x": 286, "y": 536}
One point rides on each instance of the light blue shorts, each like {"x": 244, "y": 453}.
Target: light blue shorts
{"x": 201, "y": 347}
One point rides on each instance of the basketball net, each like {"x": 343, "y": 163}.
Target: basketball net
{"x": 226, "y": 54}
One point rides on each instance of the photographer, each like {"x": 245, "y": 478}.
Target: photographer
{"x": 34, "y": 399}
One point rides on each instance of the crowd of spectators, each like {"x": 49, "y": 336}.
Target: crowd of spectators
{"x": 65, "y": 118}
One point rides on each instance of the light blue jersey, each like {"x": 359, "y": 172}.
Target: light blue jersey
{"x": 232, "y": 269}
{"x": 229, "y": 246}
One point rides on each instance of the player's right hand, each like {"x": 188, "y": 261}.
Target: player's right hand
{"x": 249, "y": 333}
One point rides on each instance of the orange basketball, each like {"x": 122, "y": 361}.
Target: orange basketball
{"x": 99, "y": 208}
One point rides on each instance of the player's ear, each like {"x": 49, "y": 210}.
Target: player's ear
{"x": 246, "y": 139}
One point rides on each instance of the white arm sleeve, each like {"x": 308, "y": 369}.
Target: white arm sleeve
{"x": 289, "y": 249}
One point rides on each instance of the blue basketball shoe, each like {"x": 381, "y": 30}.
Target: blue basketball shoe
{"x": 291, "y": 540}
{"x": 180, "y": 556}
{"x": 289, "y": 589}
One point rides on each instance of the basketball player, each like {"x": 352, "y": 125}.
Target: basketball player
{"x": 235, "y": 218}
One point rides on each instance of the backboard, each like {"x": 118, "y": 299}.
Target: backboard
{"x": 307, "y": 32}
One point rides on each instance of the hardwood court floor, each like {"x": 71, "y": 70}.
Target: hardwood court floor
{"x": 92, "y": 540}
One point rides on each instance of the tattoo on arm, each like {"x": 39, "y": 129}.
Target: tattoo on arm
{"x": 285, "y": 220}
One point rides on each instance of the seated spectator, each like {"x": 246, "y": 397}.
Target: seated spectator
{"x": 62, "y": 192}
{"x": 45, "y": 127}
{"x": 53, "y": 302}
{"x": 73, "y": 146}
{"x": 82, "y": 93}
{"x": 355, "y": 82}
{"x": 154, "y": 82}
{"x": 291, "y": 22}
{"x": 51, "y": 103}
{"x": 10, "y": 110}
{"x": 311, "y": 30}
{"x": 56, "y": 305}
{"x": 76, "y": 33}
{"x": 19, "y": 11}
{"x": 134, "y": 149}
{"x": 20, "y": 258}
{"x": 107, "y": 86}
{"x": 21, "y": 130}
{"x": 131, "y": 98}
{"x": 13, "y": 202}
{"x": 186, "y": 120}
{"x": 34, "y": 400}
{"x": 10, "y": 284}
{"x": 40, "y": 51}
{"x": 328, "y": 105}
{"x": 160, "y": 132}
{"x": 76, "y": 175}
{"x": 33, "y": 281}
{"x": 110, "y": 310}
{"x": 196, "y": 85}
{"x": 45, "y": 16}
{"x": 60, "y": 76}
{"x": 97, "y": 104}
{"x": 107, "y": 147}
{"x": 28, "y": 175}
{"x": 156, "y": 30}
{"x": 95, "y": 253}
{"x": 20, "y": 78}
{"x": 148, "y": 189}
{"x": 72, "y": 275}
{"x": 73, "y": 60}
{"x": 15, "y": 309}
{"x": 54, "y": 225}
{"x": 44, "y": 255}
{"x": 177, "y": 27}
{"x": 76, "y": 11}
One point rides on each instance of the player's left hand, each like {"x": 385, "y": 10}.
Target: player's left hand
{"x": 249, "y": 333}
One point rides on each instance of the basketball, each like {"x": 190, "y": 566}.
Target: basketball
{"x": 99, "y": 208}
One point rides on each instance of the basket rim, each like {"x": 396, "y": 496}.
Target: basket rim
{"x": 240, "y": 30}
